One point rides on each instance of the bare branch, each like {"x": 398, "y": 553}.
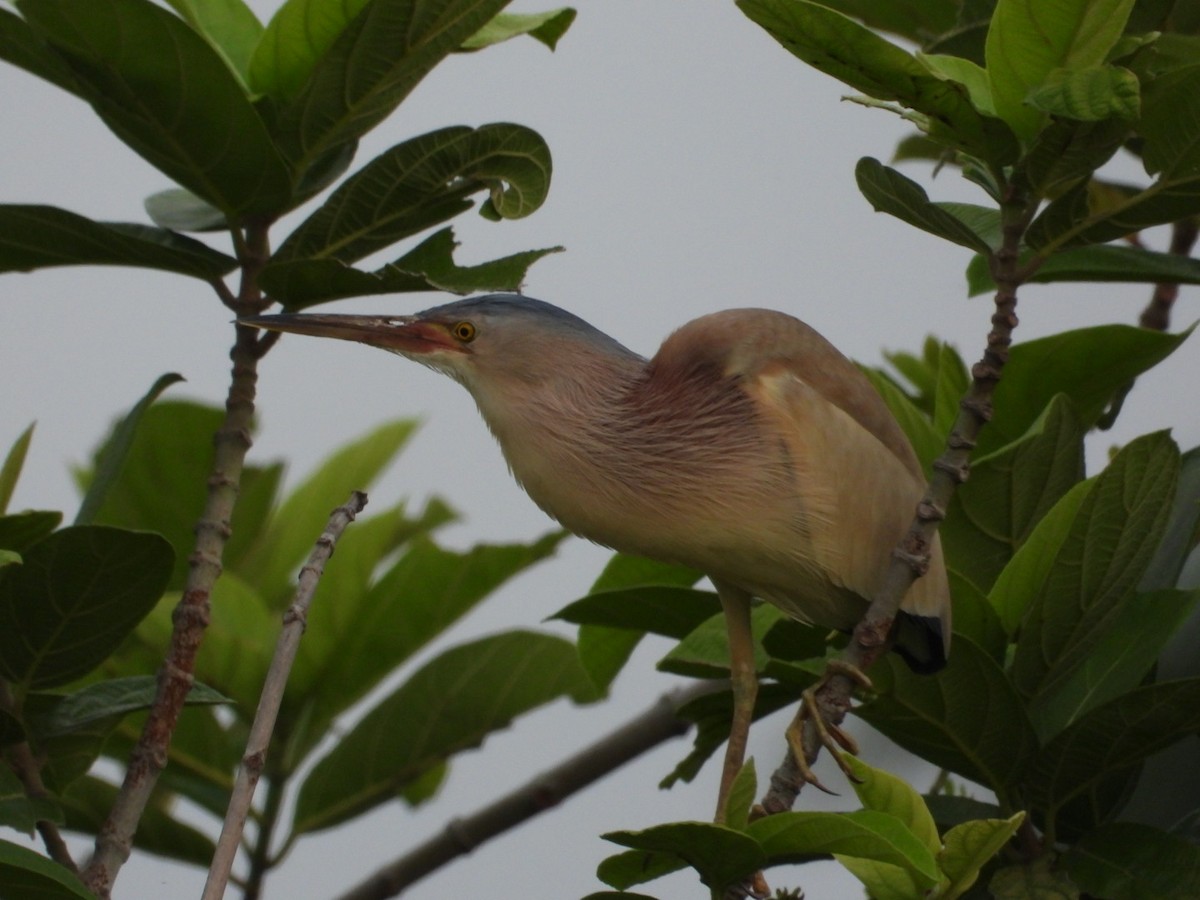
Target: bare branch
{"x": 114, "y": 841}
{"x": 294, "y": 623}
{"x": 659, "y": 723}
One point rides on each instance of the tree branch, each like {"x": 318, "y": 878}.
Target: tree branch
{"x": 25, "y": 766}
{"x": 1157, "y": 314}
{"x": 114, "y": 841}
{"x": 910, "y": 558}
{"x": 294, "y": 622}
{"x": 657, "y": 724}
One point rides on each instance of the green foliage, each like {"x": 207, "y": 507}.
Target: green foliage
{"x": 24, "y": 873}
{"x": 892, "y": 845}
{"x": 251, "y": 122}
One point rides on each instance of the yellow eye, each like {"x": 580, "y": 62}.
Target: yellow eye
{"x": 464, "y": 331}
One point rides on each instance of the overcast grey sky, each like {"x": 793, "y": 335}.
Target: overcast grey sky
{"x": 697, "y": 166}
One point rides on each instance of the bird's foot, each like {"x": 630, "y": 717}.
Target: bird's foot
{"x": 830, "y": 736}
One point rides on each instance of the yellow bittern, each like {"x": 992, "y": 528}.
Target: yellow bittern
{"x": 747, "y": 448}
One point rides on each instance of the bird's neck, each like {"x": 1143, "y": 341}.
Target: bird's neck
{"x": 604, "y": 448}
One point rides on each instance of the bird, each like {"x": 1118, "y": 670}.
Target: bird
{"x": 747, "y": 448}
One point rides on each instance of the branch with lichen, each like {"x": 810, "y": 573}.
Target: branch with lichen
{"x": 254, "y": 759}
{"x": 910, "y": 558}
{"x": 114, "y": 840}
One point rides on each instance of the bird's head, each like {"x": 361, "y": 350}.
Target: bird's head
{"x": 479, "y": 341}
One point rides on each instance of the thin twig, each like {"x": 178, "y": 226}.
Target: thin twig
{"x": 294, "y": 622}
{"x": 25, "y": 765}
{"x": 114, "y": 840}
{"x": 659, "y": 723}
{"x": 911, "y": 557}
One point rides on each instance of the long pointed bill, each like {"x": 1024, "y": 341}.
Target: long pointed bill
{"x": 400, "y": 334}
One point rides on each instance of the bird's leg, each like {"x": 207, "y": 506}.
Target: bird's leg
{"x": 744, "y": 682}
{"x": 832, "y": 738}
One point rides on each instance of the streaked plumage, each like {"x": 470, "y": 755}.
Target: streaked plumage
{"x": 748, "y": 447}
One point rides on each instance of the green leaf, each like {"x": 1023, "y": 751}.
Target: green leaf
{"x": 917, "y": 427}
{"x": 1089, "y": 95}
{"x": 1029, "y": 40}
{"x": 1029, "y": 567}
{"x": 1038, "y": 880}
{"x": 1106, "y": 263}
{"x": 841, "y": 47}
{"x": 1114, "y": 658}
{"x": 181, "y": 210}
{"x": 358, "y": 636}
{"x": 742, "y": 794}
{"x": 298, "y": 35}
{"x": 966, "y": 72}
{"x": 116, "y": 451}
{"x": 990, "y": 517}
{"x": 108, "y": 699}
{"x": 604, "y": 650}
{"x": 712, "y": 714}
{"x": 89, "y": 799}
{"x": 78, "y": 594}
{"x": 238, "y": 641}
{"x": 966, "y": 718}
{"x": 430, "y": 266}
{"x": 37, "y": 237}
{"x": 1113, "y": 737}
{"x": 624, "y": 870}
{"x": 229, "y": 26}
{"x": 422, "y": 182}
{"x": 719, "y": 854}
{"x": 298, "y": 522}
{"x": 1130, "y": 861}
{"x": 10, "y": 471}
{"x": 22, "y": 812}
{"x": 970, "y": 846}
{"x": 885, "y": 793}
{"x": 450, "y": 704}
{"x": 1089, "y": 365}
{"x": 162, "y": 486}
{"x": 22, "y": 530}
{"x": 1183, "y": 528}
{"x": 168, "y": 95}
{"x": 890, "y": 192}
{"x": 865, "y": 834}
{"x": 31, "y": 876}
{"x": 976, "y": 618}
{"x": 21, "y": 46}
{"x": 1170, "y": 125}
{"x": 547, "y": 27}
{"x": 657, "y": 609}
{"x": 1067, "y": 152}
{"x": 372, "y": 63}
{"x": 704, "y": 652}
{"x": 1110, "y": 544}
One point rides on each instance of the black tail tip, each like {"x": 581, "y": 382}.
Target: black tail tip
{"x": 921, "y": 643}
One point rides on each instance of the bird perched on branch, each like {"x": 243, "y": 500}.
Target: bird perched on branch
{"x": 747, "y": 448}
